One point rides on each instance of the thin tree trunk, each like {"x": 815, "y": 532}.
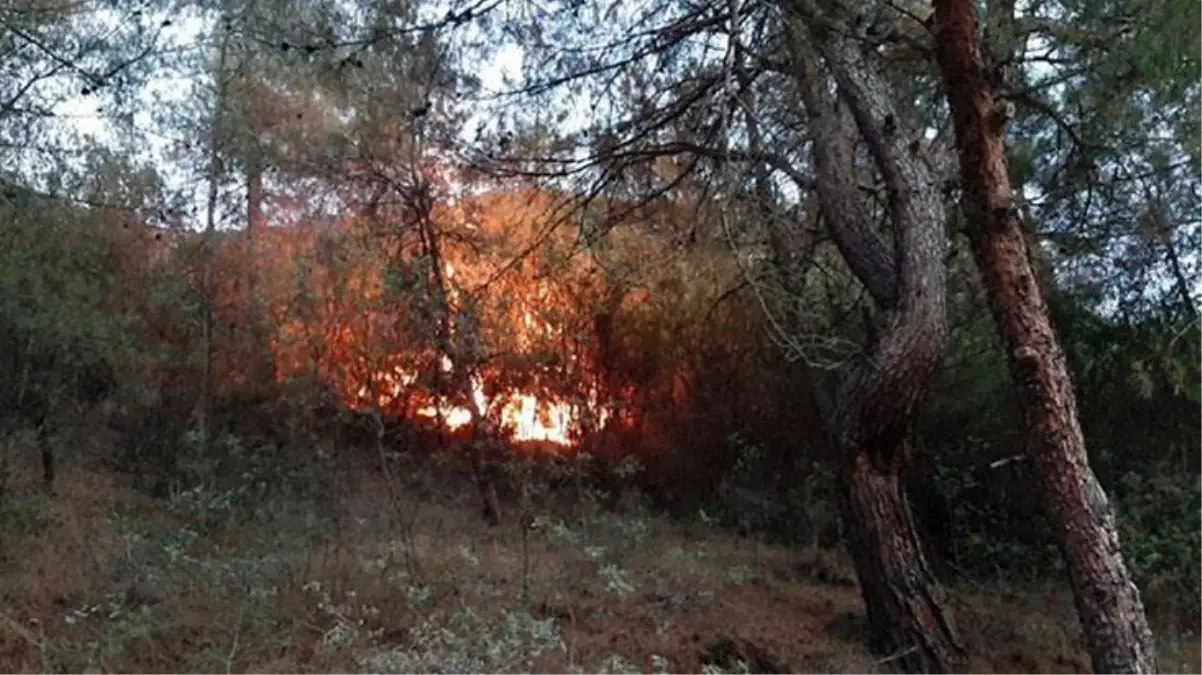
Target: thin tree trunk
{"x": 1182, "y": 284}
{"x": 46, "y": 448}
{"x": 263, "y": 374}
{"x": 215, "y": 169}
{"x": 1108, "y": 601}
{"x": 208, "y": 243}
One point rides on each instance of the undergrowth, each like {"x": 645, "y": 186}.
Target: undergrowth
{"x": 256, "y": 564}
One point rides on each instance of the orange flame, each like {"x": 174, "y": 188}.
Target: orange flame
{"x": 524, "y": 417}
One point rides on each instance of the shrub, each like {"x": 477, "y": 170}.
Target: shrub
{"x": 1158, "y": 514}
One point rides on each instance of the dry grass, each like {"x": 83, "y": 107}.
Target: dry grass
{"x": 101, "y": 578}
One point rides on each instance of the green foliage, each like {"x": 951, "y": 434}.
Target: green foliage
{"x": 23, "y": 516}
{"x": 755, "y": 498}
{"x": 973, "y": 397}
{"x": 51, "y": 268}
{"x": 56, "y": 274}
{"x": 995, "y": 530}
{"x": 1137, "y": 393}
{"x": 235, "y": 477}
{"x": 1159, "y": 515}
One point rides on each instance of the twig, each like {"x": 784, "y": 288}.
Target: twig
{"x": 997, "y": 464}
{"x": 229, "y": 659}
{"x": 897, "y": 655}
{"x": 20, "y": 630}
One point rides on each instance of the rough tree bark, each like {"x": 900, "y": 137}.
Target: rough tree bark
{"x": 877, "y": 401}
{"x": 1108, "y": 601}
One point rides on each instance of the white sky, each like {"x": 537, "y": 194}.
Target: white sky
{"x": 81, "y": 116}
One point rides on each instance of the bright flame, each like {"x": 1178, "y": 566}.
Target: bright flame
{"x": 523, "y": 416}
{"x": 534, "y": 420}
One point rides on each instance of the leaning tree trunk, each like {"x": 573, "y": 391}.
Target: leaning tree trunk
{"x": 879, "y": 398}
{"x": 1108, "y": 601}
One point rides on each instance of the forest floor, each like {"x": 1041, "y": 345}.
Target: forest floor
{"x": 350, "y": 577}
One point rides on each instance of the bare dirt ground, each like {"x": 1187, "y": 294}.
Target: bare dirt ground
{"x": 348, "y": 576}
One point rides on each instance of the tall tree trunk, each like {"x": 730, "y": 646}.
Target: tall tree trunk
{"x": 263, "y": 363}
{"x": 878, "y": 399}
{"x": 1108, "y": 601}
{"x": 215, "y": 169}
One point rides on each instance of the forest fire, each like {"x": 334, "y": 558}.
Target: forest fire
{"x": 494, "y": 339}
{"x": 521, "y": 416}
